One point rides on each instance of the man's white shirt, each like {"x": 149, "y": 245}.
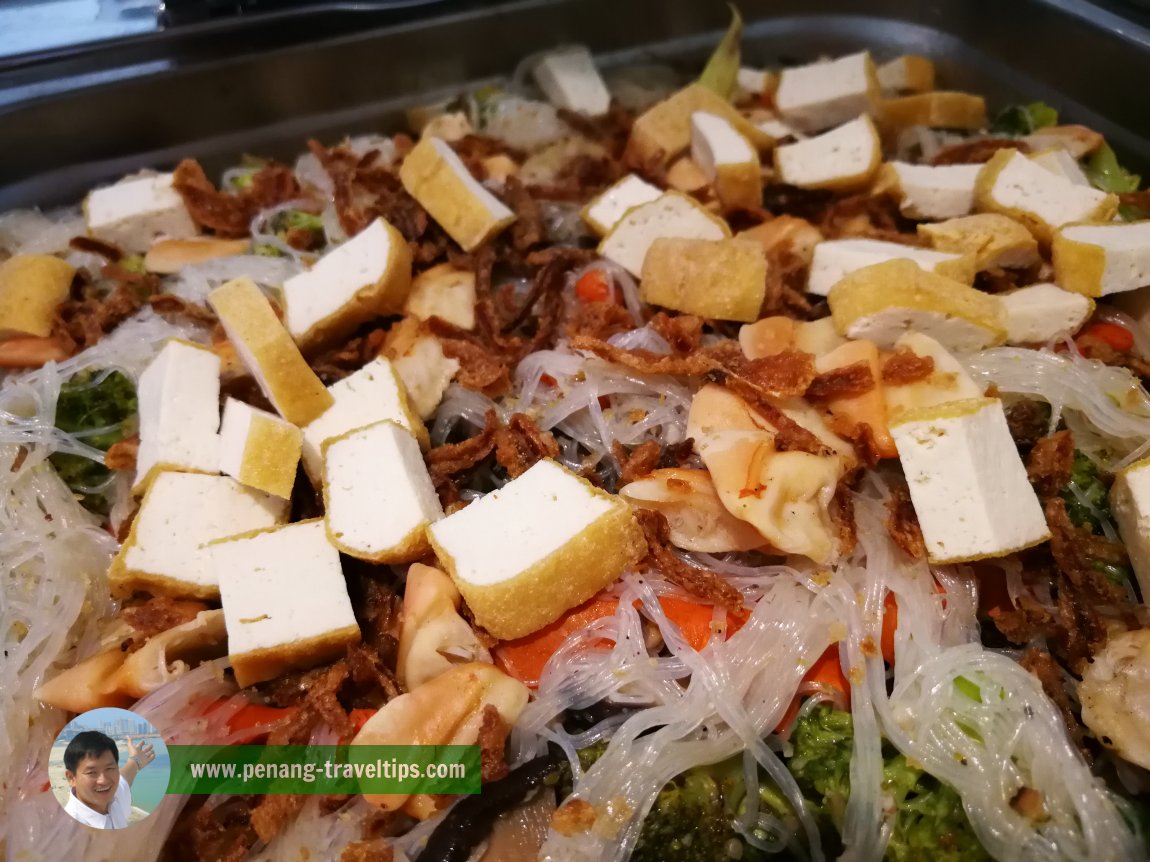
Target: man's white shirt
{"x": 117, "y": 816}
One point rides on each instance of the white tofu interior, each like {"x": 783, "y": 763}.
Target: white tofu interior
{"x": 370, "y": 395}
{"x": 820, "y": 95}
{"x": 179, "y": 408}
{"x": 936, "y": 191}
{"x": 1130, "y": 503}
{"x": 316, "y": 294}
{"x": 491, "y": 204}
{"x": 134, "y": 213}
{"x": 1037, "y": 313}
{"x": 508, "y": 531}
{"x": 183, "y": 512}
{"x": 715, "y": 142}
{"x": 569, "y": 79}
{"x": 968, "y": 483}
{"x": 834, "y": 259}
{"x": 378, "y": 491}
{"x": 281, "y": 586}
{"x": 1023, "y": 184}
{"x": 609, "y": 207}
{"x": 886, "y": 327}
{"x": 1127, "y": 249}
{"x": 670, "y": 215}
{"x": 754, "y": 81}
{"x": 838, "y": 155}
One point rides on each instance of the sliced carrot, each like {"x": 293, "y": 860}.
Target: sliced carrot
{"x": 1117, "y": 336}
{"x": 525, "y": 657}
{"x": 593, "y": 286}
{"x": 889, "y": 624}
{"x": 252, "y": 719}
{"x": 360, "y": 717}
{"x": 694, "y": 619}
{"x": 828, "y": 673}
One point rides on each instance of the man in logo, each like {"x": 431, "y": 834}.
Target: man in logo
{"x": 101, "y": 792}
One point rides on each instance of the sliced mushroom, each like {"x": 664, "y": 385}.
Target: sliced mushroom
{"x": 170, "y": 654}
{"x": 421, "y": 364}
{"x": 84, "y": 686}
{"x": 696, "y": 516}
{"x": 169, "y": 256}
{"x": 1115, "y": 695}
{"x": 433, "y": 636}
{"x": 785, "y": 496}
{"x": 446, "y": 710}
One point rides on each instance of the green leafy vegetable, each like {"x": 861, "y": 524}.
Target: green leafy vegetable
{"x": 722, "y": 70}
{"x": 693, "y": 817}
{"x": 1104, "y": 172}
{"x": 969, "y": 688}
{"x": 929, "y": 823}
{"x": 93, "y": 401}
{"x": 1018, "y": 120}
{"x": 1116, "y": 572}
{"x": 239, "y": 182}
{"x": 266, "y": 249}
{"x": 1095, "y": 507}
{"x": 297, "y": 220}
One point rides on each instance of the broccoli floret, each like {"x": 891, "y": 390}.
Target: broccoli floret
{"x": 693, "y": 818}
{"x": 929, "y": 821}
{"x": 1084, "y": 475}
{"x": 87, "y": 403}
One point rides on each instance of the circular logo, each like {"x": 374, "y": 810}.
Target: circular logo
{"x": 109, "y": 768}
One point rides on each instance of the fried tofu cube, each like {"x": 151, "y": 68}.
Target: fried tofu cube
{"x": 569, "y": 80}
{"x": 368, "y": 276}
{"x": 1013, "y": 185}
{"x": 436, "y": 177}
{"x": 991, "y": 240}
{"x": 828, "y": 93}
{"x": 722, "y": 279}
{"x": 32, "y": 288}
{"x": 179, "y": 408}
{"x": 728, "y": 161}
{"x": 268, "y": 352}
{"x": 165, "y": 552}
{"x": 882, "y": 302}
{"x": 370, "y": 395}
{"x": 1038, "y": 313}
{"x": 931, "y": 192}
{"x": 835, "y": 259}
{"x": 967, "y": 482}
{"x": 671, "y": 215}
{"x": 258, "y": 449}
{"x": 1101, "y": 259}
{"x": 909, "y": 73}
{"x": 842, "y": 159}
{"x": 663, "y": 132}
{"x": 444, "y": 292}
{"x": 285, "y": 600}
{"x": 604, "y": 211}
{"x": 377, "y": 494}
{"x": 1130, "y": 503}
{"x": 543, "y": 543}
{"x": 134, "y": 213}
{"x": 939, "y": 109}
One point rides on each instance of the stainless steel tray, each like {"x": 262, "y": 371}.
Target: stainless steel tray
{"x": 1089, "y": 62}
